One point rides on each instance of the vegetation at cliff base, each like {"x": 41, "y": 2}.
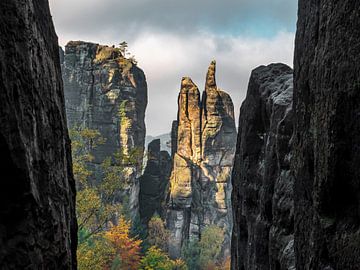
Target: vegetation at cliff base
{"x": 204, "y": 254}
{"x": 107, "y": 238}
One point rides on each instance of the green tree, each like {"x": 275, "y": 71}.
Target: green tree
{"x": 140, "y": 230}
{"x": 97, "y": 202}
{"x": 123, "y": 46}
{"x": 158, "y": 235}
{"x": 191, "y": 254}
{"x": 210, "y": 246}
{"x": 95, "y": 253}
{"x": 156, "y": 259}
{"x": 83, "y": 141}
{"x": 204, "y": 254}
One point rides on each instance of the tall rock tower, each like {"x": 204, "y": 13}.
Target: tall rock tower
{"x": 205, "y": 139}
{"x": 107, "y": 92}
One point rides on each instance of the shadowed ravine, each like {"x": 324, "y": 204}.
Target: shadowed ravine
{"x": 79, "y": 188}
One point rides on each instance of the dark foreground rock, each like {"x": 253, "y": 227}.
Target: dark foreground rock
{"x": 37, "y": 190}
{"x": 327, "y": 135}
{"x": 154, "y": 183}
{"x": 262, "y": 195}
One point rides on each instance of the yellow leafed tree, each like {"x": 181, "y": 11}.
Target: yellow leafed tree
{"x": 126, "y": 247}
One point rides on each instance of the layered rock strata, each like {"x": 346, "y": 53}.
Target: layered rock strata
{"x": 107, "y": 92}
{"x": 37, "y": 190}
{"x": 154, "y": 183}
{"x": 203, "y": 140}
{"x": 262, "y": 195}
{"x": 327, "y": 135}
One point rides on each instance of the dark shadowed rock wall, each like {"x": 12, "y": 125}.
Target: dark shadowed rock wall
{"x": 107, "y": 92}
{"x": 154, "y": 183}
{"x": 203, "y": 141}
{"x": 262, "y": 194}
{"x": 37, "y": 190}
{"x": 327, "y": 135}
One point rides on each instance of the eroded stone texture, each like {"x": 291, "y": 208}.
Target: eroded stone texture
{"x": 262, "y": 195}
{"x": 154, "y": 183}
{"x": 200, "y": 185}
{"x": 174, "y": 131}
{"x": 327, "y": 135}
{"x": 37, "y": 189}
{"x": 107, "y": 92}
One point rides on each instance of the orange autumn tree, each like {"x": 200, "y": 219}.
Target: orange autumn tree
{"x": 127, "y": 249}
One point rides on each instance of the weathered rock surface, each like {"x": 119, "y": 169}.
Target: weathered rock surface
{"x": 37, "y": 189}
{"x": 327, "y": 135}
{"x": 203, "y": 141}
{"x": 262, "y": 195}
{"x": 154, "y": 183}
{"x": 107, "y": 92}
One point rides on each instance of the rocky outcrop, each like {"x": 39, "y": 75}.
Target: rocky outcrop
{"x": 327, "y": 135}
{"x": 154, "y": 183}
{"x": 37, "y": 189}
{"x": 107, "y": 92}
{"x": 165, "y": 141}
{"x": 203, "y": 141}
{"x": 262, "y": 195}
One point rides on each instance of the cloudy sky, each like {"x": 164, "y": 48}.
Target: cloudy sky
{"x": 176, "y": 38}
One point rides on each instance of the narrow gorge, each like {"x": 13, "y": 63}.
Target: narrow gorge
{"x": 85, "y": 186}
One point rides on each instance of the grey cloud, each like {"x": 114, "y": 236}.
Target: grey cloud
{"x": 176, "y": 38}
{"x": 127, "y": 18}
{"x": 233, "y": 71}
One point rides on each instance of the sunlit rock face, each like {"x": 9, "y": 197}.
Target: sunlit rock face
{"x": 37, "y": 191}
{"x": 154, "y": 183}
{"x": 107, "y": 92}
{"x": 200, "y": 188}
{"x": 327, "y": 135}
{"x": 262, "y": 195}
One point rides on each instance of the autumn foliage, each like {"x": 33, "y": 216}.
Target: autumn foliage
{"x": 127, "y": 249}
{"x": 158, "y": 235}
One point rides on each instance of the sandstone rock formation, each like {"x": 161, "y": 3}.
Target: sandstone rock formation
{"x": 203, "y": 141}
{"x": 37, "y": 189}
{"x": 154, "y": 183}
{"x": 262, "y": 195}
{"x": 107, "y": 92}
{"x": 327, "y": 135}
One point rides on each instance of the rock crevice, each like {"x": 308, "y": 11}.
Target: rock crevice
{"x": 154, "y": 183}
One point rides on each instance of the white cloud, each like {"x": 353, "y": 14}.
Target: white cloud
{"x": 166, "y": 58}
